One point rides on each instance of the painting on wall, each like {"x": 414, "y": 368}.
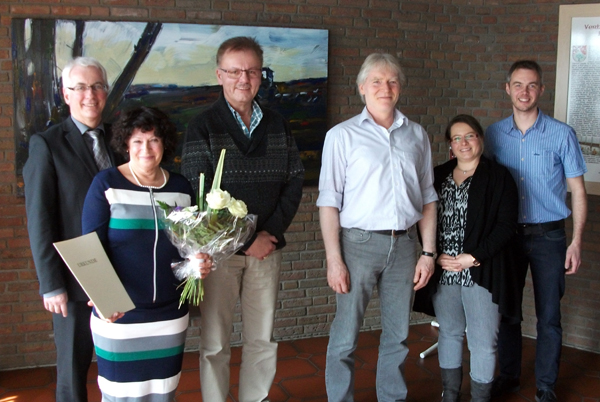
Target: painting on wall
{"x": 170, "y": 66}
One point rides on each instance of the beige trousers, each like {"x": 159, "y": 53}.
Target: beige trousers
{"x": 256, "y": 283}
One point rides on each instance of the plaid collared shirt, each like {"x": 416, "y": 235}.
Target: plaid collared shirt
{"x": 255, "y": 119}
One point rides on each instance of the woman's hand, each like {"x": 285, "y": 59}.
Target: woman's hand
{"x": 455, "y": 264}
{"x": 205, "y": 264}
{"x": 112, "y": 318}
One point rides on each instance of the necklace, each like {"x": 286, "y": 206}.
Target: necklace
{"x": 465, "y": 171}
{"x": 151, "y": 187}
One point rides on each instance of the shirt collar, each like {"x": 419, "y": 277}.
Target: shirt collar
{"x": 538, "y": 125}
{"x": 255, "y": 119}
{"x": 399, "y": 118}
{"x": 83, "y": 128}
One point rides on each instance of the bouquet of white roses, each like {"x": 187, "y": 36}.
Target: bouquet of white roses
{"x": 220, "y": 229}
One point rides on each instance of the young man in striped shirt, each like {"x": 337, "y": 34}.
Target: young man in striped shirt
{"x": 543, "y": 155}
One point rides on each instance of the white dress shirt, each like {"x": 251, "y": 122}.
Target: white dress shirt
{"x": 378, "y": 178}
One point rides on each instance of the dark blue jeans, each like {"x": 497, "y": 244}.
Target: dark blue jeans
{"x": 545, "y": 255}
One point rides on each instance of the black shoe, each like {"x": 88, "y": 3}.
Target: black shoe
{"x": 545, "y": 395}
{"x": 505, "y": 385}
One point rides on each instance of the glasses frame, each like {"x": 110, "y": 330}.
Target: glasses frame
{"x": 236, "y": 73}
{"x": 97, "y": 87}
{"x": 472, "y": 137}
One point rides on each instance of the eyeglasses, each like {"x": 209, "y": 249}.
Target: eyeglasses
{"x": 468, "y": 137}
{"x": 237, "y": 73}
{"x": 94, "y": 87}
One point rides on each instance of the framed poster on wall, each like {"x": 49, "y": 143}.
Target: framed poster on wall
{"x": 577, "y": 100}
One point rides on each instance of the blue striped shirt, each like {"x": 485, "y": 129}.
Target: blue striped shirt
{"x": 539, "y": 161}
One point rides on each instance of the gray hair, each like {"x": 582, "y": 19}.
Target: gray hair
{"x": 82, "y": 62}
{"x": 379, "y": 60}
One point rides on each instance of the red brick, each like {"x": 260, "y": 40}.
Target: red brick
{"x": 313, "y": 9}
{"x": 341, "y": 21}
{"x": 371, "y": 13}
{"x": 120, "y": 2}
{"x": 279, "y": 8}
{"x": 306, "y": 20}
{"x": 203, "y": 15}
{"x": 239, "y": 16}
{"x": 123, "y": 12}
{"x": 100, "y": 11}
{"x": 69, "y": 11}
{"x": 166, "y": 14}
{"x": 29, "y": 10}
{"x": 160, "y": 3}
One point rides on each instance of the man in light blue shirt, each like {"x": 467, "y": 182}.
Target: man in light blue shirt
{"x": 375, "y": 186}
{"x": 544, "y": 156}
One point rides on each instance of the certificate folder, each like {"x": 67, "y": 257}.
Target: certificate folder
{"x": 90, "y": 265}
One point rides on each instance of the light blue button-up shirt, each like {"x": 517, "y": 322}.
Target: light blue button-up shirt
{"x": 540, "y": 161}
{"x": 378, "y": 178}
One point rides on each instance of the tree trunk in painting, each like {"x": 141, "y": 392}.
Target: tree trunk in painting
{"x": 140, "y": 52}
{"x": 37, "y": 98}
{"x": 78, "y": 41}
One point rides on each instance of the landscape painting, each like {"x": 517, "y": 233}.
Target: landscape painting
{"x": 170, "y": 66}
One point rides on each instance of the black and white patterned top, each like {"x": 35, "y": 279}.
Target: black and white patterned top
{"x": 452, "y": 219}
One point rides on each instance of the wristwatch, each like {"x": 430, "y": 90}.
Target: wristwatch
{"x": 476, "y": 262}
{"x": 428, "y": 254}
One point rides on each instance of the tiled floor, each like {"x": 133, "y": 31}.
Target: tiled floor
{"x": 301, "y": 374}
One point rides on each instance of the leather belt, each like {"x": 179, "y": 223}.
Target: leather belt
{"x": 539, "y": 228}
{"x": 393, "y": 233}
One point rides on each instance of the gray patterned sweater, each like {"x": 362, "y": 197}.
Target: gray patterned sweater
{"x": 264, "y": 171}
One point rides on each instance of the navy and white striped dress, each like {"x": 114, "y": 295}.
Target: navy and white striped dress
{"x": 140, "y": 355}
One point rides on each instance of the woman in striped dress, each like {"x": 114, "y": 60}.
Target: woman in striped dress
{"x": 140, "y": 352}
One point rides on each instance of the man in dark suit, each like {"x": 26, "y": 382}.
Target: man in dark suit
{"x": 62, "y": 163}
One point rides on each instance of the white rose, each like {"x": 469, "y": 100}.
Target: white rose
{"x": 238, "y": 208}
{"x": 218, "y": 199}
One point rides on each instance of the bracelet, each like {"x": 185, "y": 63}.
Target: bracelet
{"x": 428, "y": 254}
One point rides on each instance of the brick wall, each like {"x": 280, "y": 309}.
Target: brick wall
{"x": 455, "y": 54}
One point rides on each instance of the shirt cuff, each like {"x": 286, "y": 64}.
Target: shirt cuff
{"x": 329, "y": 198}
{"x": 56, "y": 292}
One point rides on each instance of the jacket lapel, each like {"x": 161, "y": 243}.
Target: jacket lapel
{"x": 80, "y": 149}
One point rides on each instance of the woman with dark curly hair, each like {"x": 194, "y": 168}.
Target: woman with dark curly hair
{"x": 140, "y": 352}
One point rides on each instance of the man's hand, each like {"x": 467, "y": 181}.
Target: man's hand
{"x": 573, "y": 260}
{"x": 57, "y": 304}
{"x": 579, "y": 213}
{"x": 338, "y": 276}
{"x": 263, "y": 245}
{"x": 205, "y": 264}
{"x": 423, "y": 271}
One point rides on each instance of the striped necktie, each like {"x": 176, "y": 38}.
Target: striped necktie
{"x": 100, "y": 154}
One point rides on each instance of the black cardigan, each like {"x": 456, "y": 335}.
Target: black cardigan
{"x": 492, "y": 211}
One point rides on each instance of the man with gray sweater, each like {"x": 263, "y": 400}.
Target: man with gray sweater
{"x": 263, "y": 169}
